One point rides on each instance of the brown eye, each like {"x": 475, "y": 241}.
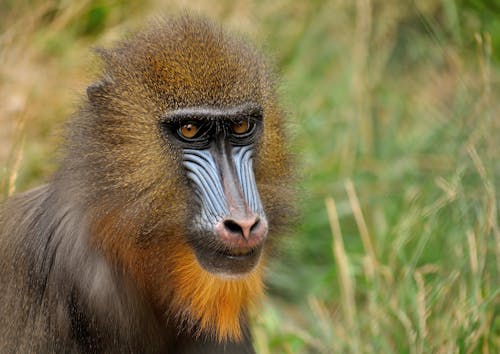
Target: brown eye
{"x": 189, "y": 130}
{"x": 241, "y": 127}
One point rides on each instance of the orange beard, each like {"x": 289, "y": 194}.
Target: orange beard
{"x": 182, "y": 290}
{"x": 214, "y": 304}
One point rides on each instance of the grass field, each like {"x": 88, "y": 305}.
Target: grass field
{"x": 394, "y": 106}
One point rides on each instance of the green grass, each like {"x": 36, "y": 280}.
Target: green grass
{"x": 394, "y": 108}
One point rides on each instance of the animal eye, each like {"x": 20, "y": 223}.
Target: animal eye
{"x": 189, "y": 130}
{"x": 241, "y": 127}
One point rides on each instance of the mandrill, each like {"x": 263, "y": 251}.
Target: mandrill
{"x": 153, "y": 235}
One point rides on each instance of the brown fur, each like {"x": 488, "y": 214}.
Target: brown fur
{"x": 106, "y": 237}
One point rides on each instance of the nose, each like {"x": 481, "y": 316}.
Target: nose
{"x": 243, "y": 231}
{"x": 241, "y": 227}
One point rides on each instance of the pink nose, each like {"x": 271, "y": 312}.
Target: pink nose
{"x": 248, "y": 231}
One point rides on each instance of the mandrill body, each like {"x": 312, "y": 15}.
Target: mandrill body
{"x": 153, "y": 234}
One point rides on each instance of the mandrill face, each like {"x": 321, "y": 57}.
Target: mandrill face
{"x": 217, "y": 145}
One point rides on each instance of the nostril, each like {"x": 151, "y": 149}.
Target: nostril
{"x": 233, "y": 226}
{"x": 255, "y": 224}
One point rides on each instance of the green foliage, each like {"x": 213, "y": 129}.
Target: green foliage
{"x": 405, "y": 109}
{"x": 482, "y": 16}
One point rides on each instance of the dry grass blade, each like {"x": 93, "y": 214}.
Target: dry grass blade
{"x": 15, "y": 170}
{"x": 421, "y": 310}
{"x": 492, "y": 208}
{"x": 345, "y": 279}
{"x": 361, "y": 223}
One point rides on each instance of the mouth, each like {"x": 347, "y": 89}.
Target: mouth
{"x": 234, "y": 262}
{"x": 238, "y": 253}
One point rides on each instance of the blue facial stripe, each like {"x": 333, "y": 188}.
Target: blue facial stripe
{"x": 244, "y": 170}
{"x": 203, "y": 171}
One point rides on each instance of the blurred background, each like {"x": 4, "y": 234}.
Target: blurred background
{"x": 394, "y": 108}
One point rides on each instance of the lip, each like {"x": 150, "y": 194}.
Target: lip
{"x": 233, "y": 262}
{"x": 238, "y": 253}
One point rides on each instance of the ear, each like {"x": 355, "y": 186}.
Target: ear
{"x": 97, "y": 91}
